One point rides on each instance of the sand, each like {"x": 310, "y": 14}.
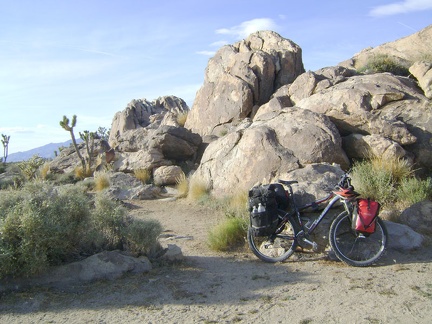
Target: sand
{"x": 211, "y": 287}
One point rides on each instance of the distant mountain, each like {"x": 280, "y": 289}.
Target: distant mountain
{"x": 46, "y": 151}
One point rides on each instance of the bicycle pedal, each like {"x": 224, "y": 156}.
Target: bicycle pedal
{"x": 313, "y": 244}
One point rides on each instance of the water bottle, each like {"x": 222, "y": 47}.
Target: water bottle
{"x": 261, "y": 208}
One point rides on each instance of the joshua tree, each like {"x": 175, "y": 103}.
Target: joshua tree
{"x": 103, "y": 133}
{"x": 5, "y": 142}
{"x": 65, "y": 125}
{"x": 88, "y": 138}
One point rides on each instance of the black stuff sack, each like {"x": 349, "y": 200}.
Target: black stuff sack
{"x": 263, "y": 210}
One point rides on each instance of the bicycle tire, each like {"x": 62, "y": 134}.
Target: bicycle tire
{"x": 357, "y": 249}
{"x": 273, "y": 250}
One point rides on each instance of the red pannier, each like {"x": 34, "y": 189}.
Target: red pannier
{"x": 364, "y": 215}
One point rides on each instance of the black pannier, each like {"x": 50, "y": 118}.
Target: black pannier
{"x": 281, "y": 196}
{"x": 264, "y": 202}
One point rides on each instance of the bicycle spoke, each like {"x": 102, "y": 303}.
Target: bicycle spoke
{"x": 275, "y": 248}
{"x": 355, "y": 248}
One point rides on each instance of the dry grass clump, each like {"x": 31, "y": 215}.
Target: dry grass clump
{"x": 101, "y": 181}
{"x": 143, "y": 175}
{"x": 82, "y": 173}
{"x": 44, "y": 170}
{"x": 181, "y": 118}
{"x": 198, "y": 189}
{"x": 182, "y": 186}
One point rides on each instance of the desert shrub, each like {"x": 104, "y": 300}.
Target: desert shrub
{"x": 63, "y": 178}
{"x": 101, "y": 181}
{"x": 398, "y": 168}
{"x": 384, "y": 63}
{"x": 181, "y": 118}
{"x": 375, "y": 183}
{"x": 29, "y": 169}
{"x": 109, "y": 220}
{"x": 143, "y": 175}
{"x": 391, "y": 182}
{"x": 142, "y": 235}
{"x": 413, "y": 190}
{"x": 228, "y": 234}
{"x": 42, "y": 225}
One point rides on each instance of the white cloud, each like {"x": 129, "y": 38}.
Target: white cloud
{"x": 401, "y": 7}
{"x": 248, "y": 27}
{"x": 206, "y": 53}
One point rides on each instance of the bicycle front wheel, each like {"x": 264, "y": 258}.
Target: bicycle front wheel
{"x": 353, "y": 248}
{"x": 273, "y": 248}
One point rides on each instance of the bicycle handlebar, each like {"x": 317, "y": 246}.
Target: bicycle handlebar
{"x": 345, "y": 182}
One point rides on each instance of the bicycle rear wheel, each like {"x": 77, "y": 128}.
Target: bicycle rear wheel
{"x": 353, "y": 248}
{"x": 273, "y": 248}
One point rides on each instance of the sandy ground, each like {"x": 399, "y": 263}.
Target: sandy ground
{"x": 211, "y": 287}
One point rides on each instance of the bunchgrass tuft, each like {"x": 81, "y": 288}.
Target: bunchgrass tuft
{"x": 231, "y": 232}
{"x": 44, "y": 170}
{"x": 143, "y": 175}
{"x": 198, "y": 189}
{"x": 181, "y": 118}
{"x": 101, "y": 181}
{"x": 81, "y": 173}
{"x": 228, "y": 234}
{"x": 182, "y": 186}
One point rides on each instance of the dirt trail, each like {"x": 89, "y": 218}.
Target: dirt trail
{"x": 214, "y": 287}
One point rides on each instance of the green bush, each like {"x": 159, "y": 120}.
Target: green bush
{"x": 141, "y": 235}
{"x": 42, "y": 225}
{"x": 413, "y": 190}
{"x": 392, "y": 183}
{"x": 375, "y": 183}
{"x": 384, "y": 63}
{"x": 228, "y": 234}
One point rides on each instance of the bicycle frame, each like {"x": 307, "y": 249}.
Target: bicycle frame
{"x": 296, "y": 212}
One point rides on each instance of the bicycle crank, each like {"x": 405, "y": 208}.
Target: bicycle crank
{"x": 301, "y": 237}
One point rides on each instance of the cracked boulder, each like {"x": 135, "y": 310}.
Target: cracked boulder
{"x": 274, "y": 144}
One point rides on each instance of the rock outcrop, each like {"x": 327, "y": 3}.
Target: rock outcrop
{"x": 406, "y": 50}
{"x": 275, "y": 143}
{"x": 259, "y": 115}
{"x": 242, "y": 76}
{"x": 422, "y": 71}
{"x": 145, "y": 135}
{"x": 143, "y": 113}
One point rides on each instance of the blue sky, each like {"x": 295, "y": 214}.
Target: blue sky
{"x": 92, "y": 57}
